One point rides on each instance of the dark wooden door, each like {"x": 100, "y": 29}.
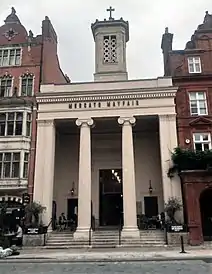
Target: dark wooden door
{"x": 72, "y": 205}
{"x": 151, "y": 206}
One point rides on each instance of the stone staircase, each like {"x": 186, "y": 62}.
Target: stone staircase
{"x": 103, "y": 238}
{"x": 64, "y": 240}
{"x": 148, "y": 238}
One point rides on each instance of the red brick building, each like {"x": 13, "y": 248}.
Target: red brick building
{"x": 191, "y": 69}
{"x": 26, "y": 61}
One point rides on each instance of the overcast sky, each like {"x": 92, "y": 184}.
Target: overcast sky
{"x": 147, "y": 20}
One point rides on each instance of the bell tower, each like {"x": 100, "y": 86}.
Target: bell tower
{"x": 111, "y": 37}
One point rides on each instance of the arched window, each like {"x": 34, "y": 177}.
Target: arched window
{"x": 5, "y": 86}
{"x": 27, "y": 84}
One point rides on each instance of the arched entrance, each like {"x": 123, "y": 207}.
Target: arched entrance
{"x": 206, "y": 213}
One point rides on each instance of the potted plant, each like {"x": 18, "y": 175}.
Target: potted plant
{"x": 171, "y": 207}
{"x": 33, "y": 211}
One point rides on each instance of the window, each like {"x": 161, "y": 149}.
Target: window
{"x": 28, "y": 124}
{"x": 10, "y": 57}
{"x": 11, "y": 124}
{"x": 26, "y": 165}
{"x": 27, "y": 85}
{"x": 10, "y": 165}
{"x": 110, "y": 49}
{"x": 194, "y": 65}
{"x": 202, "y": 141}
{"x": 5, "y": 86}
{"x": 198, "y": 103}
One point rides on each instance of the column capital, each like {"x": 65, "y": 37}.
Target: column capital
{"x": 84, "y": 122}
{"x": 45, "y": 123}
{"x": 167, "y": 117}
{"x": 126, "y": 120}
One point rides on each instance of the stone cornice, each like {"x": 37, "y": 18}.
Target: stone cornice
{"x": 69, "y": 98}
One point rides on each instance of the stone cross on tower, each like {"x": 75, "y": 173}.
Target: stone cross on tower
{"x": 111, "y": 10}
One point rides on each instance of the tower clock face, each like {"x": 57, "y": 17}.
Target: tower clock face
{"x": 9, "y": 34}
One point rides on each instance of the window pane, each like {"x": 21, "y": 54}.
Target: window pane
{"x": 18, "y": 128}
{"x": 28, "y": 129}
{"x": 26, "y": 157}
{"x": 16, "y": 156}
{"x": 29, "y": 116}
{"x": 7, "y": 157}
{"x": 190, "y": 59}
{"x": 198, "y": 146}
{"x": 191, "y": 68}
{"x": 205, "y": 137}
{"x": 25, "y": 175}
{"x": 11, "y": 116}
{"x": 7, "y": 170}
{"x": 194, "y": 111}
{"x": 201, "y": 95}
{"x": 15, "y": 170}
{"x": 206, "y": 146}
{"x": 193, "y": 95}
{"x": 197, "y": 137}
{"x": 1, "y": 157}
{"x": 10, "y": 126}
{"x": 19, "y": 116}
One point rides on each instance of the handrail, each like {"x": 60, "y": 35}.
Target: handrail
{"x": 49, "y": 223}
{"x": 120, "y": 228}
{"x": 89, "y": 239}
{"x": 44, "y": 240}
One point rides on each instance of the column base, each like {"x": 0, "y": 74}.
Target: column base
{"x": 130, "y": 232}
{"x": 82, "y": 233}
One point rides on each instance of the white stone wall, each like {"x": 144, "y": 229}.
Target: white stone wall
{"x": 106, "y": 154}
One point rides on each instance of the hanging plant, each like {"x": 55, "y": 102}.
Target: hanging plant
{"x": 187, "y": 159}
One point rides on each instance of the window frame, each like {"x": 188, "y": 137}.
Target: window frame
{"x": 26, "y": 164}
{"x": 15, "y": 121}
{"x": 202, "y": 142}
{"x": 9, "y": 49}
{"x": 10, "y": 163}
{"x": 193, "y": 63}
{"x": 198, "y": 102}
{"x": 6, "y": 78}
{"x": 25, "y": 77}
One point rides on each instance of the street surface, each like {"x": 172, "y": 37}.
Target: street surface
{"x": 171, "y": 267}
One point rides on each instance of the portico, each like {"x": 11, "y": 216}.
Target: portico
{"x": 101, "y": 145}
{"x": 86, "y": 128}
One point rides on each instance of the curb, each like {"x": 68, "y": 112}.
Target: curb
{"x": 71, "y": 260}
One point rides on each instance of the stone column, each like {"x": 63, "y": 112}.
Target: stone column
{"x": 84, "y": 188}
{"x": 168, "y": 142}
{"x": 44, "y": 167}
{"x": 130, "y": 228}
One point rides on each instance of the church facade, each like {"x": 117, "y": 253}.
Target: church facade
{"x": 104, "y": 147}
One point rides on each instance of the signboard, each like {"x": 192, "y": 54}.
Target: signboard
{"x": 32, "y": 231}
{"x": 177, "y": 228}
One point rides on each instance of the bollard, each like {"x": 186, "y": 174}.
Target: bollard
{"x": 182, "y": 245}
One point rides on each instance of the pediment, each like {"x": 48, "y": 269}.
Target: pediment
{"x": 200, "y": 121}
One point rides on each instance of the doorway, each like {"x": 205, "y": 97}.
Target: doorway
{"x": 110, "y": 197}
{"x": 151, "y": 206}
{"x": 206, "y": 214}
{"x": 72, "y": 207}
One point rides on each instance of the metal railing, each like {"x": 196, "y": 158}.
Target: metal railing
{"x": 44, "y": 240}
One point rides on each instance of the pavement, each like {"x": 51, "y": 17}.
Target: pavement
{"x": 109, "y": 255}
